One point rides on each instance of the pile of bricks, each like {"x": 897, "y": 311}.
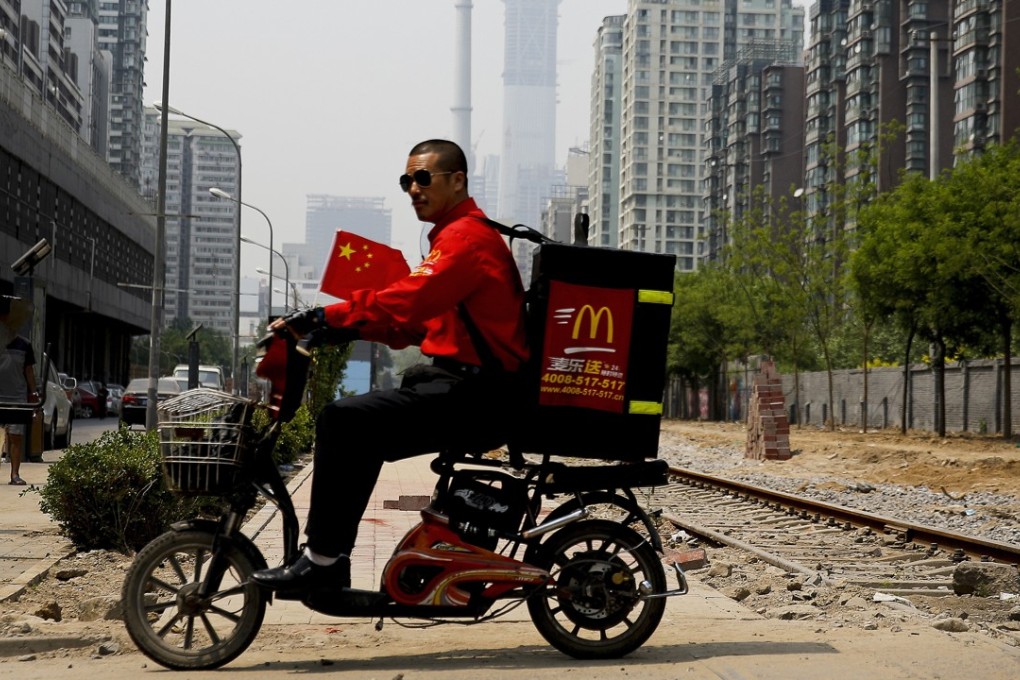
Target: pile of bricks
{"x": 768, "y": 428}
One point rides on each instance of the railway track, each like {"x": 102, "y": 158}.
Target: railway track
{"x": 830, "y": 543}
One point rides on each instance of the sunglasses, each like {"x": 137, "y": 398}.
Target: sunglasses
{"x": 422, "y": 178}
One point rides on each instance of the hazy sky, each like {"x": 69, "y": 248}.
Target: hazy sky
{"x": 330, "y": 95}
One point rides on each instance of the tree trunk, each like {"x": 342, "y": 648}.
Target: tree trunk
{"x": 1007, "y": 383}
{"x": 906, "y": 381}
{"x": 938, "y": 366}
{"x": 864, "y": 403}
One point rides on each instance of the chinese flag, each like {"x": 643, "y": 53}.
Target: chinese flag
{"x": 356, "y": 262}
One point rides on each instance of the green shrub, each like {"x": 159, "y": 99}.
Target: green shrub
{"x": 110, "y": 493}
{"x": 296, "y": 437}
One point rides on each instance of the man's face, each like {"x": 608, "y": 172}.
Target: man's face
{"x": 431, "y": 203}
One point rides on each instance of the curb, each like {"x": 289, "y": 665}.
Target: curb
{"x": 41, "y": 567}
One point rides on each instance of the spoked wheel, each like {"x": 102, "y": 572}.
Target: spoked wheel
{"x": 594, "y": 610}
{"x": 171, "y": 622}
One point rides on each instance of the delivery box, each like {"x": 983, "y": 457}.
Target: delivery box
{"x": 599, "y": 323}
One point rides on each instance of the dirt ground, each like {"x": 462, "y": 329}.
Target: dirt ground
{"x": 87, "y": 585}
{"x": 959, "y": 463}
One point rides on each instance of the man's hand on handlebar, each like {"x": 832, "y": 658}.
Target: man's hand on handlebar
{"x": 310, "y": 326}
{"x": 302, "y": 322}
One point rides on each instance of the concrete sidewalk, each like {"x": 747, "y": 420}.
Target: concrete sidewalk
{"x": 30, "y": 542}
{"x": 400, "y": 484}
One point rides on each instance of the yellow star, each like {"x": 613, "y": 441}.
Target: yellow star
{"x": 346, "y": 251}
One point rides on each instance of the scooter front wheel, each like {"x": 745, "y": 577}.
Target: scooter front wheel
{"x": 171, "y": 622}
{"x": 594, "y": 608}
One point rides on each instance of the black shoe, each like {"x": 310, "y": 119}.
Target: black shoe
{"x": 304, "y": 575}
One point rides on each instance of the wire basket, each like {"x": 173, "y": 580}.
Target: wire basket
{"x": 205, "y": 439}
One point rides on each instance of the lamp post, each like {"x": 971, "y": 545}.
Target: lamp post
{"x": 286, "y": 270}
{"x": 293, "y": 286}
{"x": 161, "y": 106}
{"x": 160, "y": 245}
{"x": 220, "y": 193}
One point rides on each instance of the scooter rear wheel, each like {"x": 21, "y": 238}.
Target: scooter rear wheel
{"x": 594, "y": 609}
{"x": 171, "y": 623}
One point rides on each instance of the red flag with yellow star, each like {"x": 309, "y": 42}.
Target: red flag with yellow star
{"x": 356, "y": 262}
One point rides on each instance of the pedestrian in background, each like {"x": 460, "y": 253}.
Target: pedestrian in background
{"x": 17, "y": 375}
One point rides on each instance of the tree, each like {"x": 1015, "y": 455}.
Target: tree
{"x": 982, "y": 198}
{"x": 698, "y": 330}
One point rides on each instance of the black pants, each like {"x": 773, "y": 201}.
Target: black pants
{"x": 356, "y": 435}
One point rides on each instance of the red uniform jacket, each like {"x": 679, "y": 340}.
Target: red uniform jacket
{"x": 468, "y": 263}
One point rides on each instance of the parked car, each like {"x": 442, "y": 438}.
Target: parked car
{"x": 113, "y": 402}
{"x": 70, "y": 386}
{"x": 89, "y": 400}
{"x": 58, "y": 413}
{"x": 208, "y": 376}
{"x": 135, "y": 401}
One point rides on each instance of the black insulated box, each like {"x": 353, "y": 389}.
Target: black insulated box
{"x": 599, "y": 324}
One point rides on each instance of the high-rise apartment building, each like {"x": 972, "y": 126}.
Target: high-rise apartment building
{"x": 754, "y": 140}
{"x": 201, "y": 230}
{"x": 986, "y": 51}
{"x": 122, "y": 33}
{"x": 44, "y": 62}
{"x": 604, "y": 168}
{"x": 528, "y": 156}
{"x": 93, "y": 73}
{"x": 673, "y": 53}
{"x": 939, "y": 76}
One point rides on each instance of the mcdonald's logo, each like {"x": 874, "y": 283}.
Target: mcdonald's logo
{"x": 595, "y": 322}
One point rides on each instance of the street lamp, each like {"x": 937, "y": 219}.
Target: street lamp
{"x": 286, "y": 269}
{"x": 220, "y": 193}
{"x": 237, "y": 261}
{"x": 293, "y": 286}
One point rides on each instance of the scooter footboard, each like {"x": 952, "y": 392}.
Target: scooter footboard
{"x": 351, "y": 602}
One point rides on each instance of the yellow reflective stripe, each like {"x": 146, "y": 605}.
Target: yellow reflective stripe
{"x": 645, "y": 408}
{"x": 659, "y": 297}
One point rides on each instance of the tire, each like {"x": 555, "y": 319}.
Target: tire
{"x": 593, "y": 609}
{"x": 50, "y": 440}
{"x": 86, "y": 411}
{"x": 176, "y": 633}
{"x": 64, "y": 440}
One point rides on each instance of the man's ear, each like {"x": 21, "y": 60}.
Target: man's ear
{"x": 460, "y": 180}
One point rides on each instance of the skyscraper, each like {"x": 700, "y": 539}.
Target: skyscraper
{"x": 528, "y": 158}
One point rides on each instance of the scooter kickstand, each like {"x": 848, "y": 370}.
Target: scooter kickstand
{"x": 378, "y": 624}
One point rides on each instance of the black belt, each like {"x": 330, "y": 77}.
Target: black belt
{"x": 457, "y": 367}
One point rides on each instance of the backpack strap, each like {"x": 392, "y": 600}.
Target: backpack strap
{"x": 517, "y": 231}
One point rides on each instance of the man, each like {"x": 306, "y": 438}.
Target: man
{"x": 464, "y": 306}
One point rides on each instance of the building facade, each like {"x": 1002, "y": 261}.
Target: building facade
{"x": 201, "y": 253}
{"x": 123, "y": 33}
{"x": 604, "y": 166}
{"x": 673, "y": 53}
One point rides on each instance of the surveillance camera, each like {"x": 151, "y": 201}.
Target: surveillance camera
{"x": 24, "y": 265}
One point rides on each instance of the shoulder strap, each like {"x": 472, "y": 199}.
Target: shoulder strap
{"x": 517, "y": 231}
